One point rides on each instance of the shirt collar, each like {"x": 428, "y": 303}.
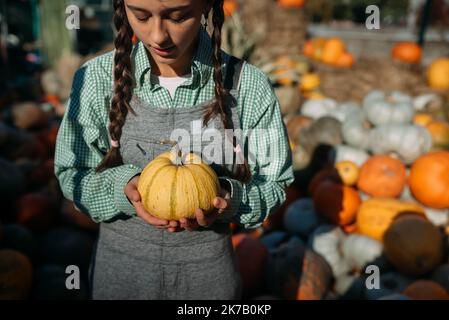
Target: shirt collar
{"x": 202, "y": 64}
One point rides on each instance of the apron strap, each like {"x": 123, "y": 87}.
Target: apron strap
{"x": 234, "y": 71}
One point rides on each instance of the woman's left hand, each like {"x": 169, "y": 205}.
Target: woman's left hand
{"x": 221, "y": 202}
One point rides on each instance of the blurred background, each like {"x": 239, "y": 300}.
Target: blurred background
{"x": 367, "y": 115}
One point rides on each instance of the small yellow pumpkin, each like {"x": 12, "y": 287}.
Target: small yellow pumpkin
{"x": 439, "y": 130}
{"x": 348, "y": 172}
{"x": 174, "y": 185}
{"x": 310, "y": 81}
{"x": 438, "y": 74}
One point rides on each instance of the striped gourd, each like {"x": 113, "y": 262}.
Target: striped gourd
{"x": 174, "y": 185}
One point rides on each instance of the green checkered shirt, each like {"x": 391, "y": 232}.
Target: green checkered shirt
{"x": 83, "y": 136}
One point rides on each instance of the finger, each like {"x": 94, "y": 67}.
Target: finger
{"x": 173, "y": 223}
{"x": 220, "y": 203}
{"x": 174, "y": 229}
{"x": 134, "y": 195}
{"x": 148, "y": 217}
{"x": 205, "y": 220}
{"x": 188, "y": 224}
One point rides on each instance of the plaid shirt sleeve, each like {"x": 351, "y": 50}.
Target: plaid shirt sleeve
{"x": 78, "y": 151}
{"x": 251, "y": 203}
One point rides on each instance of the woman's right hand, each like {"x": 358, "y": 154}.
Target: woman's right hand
{"x": 133, "y": 195}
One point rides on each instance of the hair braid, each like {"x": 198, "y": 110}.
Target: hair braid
{"x": 123, "y": 84}
{"x": 219, "y": 106}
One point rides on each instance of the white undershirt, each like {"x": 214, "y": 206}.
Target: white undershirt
{"x": 170, "y": 83}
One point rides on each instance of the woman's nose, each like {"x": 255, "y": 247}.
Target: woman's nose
{"x": 158, "y": 33}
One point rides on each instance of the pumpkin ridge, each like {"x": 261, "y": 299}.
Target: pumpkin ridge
{"x": 173, "y": 195}
{"x": 151, "y": 183}
{"x": 196, "y": 187}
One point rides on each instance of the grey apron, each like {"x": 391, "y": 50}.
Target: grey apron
{"x": 134, "y": 260}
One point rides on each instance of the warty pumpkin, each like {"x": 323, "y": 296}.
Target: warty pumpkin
{"x": 174, "y": 185}
{"x": 429, "y": 179}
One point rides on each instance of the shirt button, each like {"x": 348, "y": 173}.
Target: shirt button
{"x": 147, "y": 76}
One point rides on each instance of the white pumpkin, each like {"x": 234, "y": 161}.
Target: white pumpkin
{"x": 300, "y": 217}
{"x": 344, "y": 110}
{"x": 439, "y": 218}
{"x": 347, "y": 153}
{"x": 318, "y": 108}
{"x": 327, "y": 240}
{"x": 423, "y": 101}
{"x": 396, "y": 108}
{"x": 350, "y": 287}
{"x": 360, "y": 250}
{"x": 356, "y": 131}
{"x": 407, "y": 141}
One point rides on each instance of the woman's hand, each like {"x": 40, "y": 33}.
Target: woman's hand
{"x": 134, "y": 196}
{"x": 221, "y": 202}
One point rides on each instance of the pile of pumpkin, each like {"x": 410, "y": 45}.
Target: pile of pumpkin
{"x": 331, "y": 51}
{"x": 371, "y": 202}
{"x": 41, "y": 233}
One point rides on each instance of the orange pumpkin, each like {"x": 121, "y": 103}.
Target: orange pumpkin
{"x": 326, "y": 174}
{"x": 316, "y": 276}
{"x": 348, "y": 172}
{"x": 333, "y": 50}
{"x": 440, "y": 133}
{"x": 426, "y": 290}
{"x": 408, "y": 52}
{"x": 375, "y": 215}
{"x": 291, "y": 3}
{"x": 252, "y": 256}
{"x": 382, "y": 176}
{"x": 36, "y": 211}
{"x": 313, "y": 48}
{"x": 413, "y": 245}
{"x": 346, "y": 60}
{"x": 308, "y": 48}
{"x": 229, "y": 7}
{"x": 429, "y": 179}
{"x": 336, "y": 202}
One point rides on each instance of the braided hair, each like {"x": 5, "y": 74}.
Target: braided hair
{"x": 124, "y": 84}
